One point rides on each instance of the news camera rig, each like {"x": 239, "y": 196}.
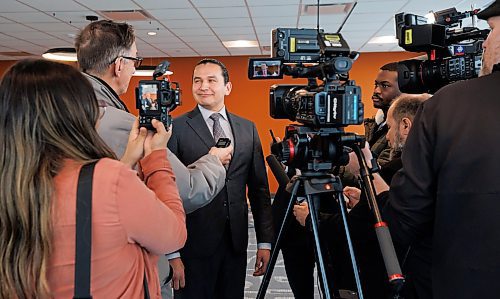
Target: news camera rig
{"x": 318, "y": 143}
{"x": 453, "y": 52}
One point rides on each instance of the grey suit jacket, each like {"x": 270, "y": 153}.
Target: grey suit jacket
{"x": 198, "y": 182}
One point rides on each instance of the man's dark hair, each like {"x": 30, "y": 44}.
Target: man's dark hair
{"x": 225, "y": 73}
{"x": 391, "y": 67}
{"x": 101, "y": 42}
{"x": 406, "y": 105}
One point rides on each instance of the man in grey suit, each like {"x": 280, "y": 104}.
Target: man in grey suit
{"x": 214, "y": 258}
{"x": 107, "y": 55}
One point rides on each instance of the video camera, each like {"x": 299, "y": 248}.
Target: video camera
{"x": 324, "y": 108}
{"x": 453, "y": 53}
{"x": 155, "y": 99}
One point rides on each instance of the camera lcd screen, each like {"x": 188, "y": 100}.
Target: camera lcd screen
{"x": 264, "y": 68}
{"x": 148, "y": 96}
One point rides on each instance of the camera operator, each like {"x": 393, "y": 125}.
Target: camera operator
{"x": 109, "y": 68}
{"x": 107, "y": 55}
{"x": 448, "y": 187}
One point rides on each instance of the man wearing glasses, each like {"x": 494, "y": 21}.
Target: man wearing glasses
{"x": 107, "y": 55}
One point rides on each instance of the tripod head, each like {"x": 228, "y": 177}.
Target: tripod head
{"x": 314, "y": 151}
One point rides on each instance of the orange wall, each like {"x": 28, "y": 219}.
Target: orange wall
{"x": 250, "y": 99}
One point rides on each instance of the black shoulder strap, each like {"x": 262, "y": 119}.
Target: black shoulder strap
{"x": 83, "y": 247}
{"x": 83, "y": 232}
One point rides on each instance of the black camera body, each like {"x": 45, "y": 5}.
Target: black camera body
{"x": 328, "y": 106}
{"x": 453, "y": 54}
{"x": 155, "y": 99}
{"x": 336, "y": 102}
{"x": 316, "y": 144}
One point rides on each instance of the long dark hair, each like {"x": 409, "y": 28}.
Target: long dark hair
{"x": 48, "y": 113}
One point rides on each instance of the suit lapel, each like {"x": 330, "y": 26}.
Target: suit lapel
{"x": 199, "y": 126}
{"x": 236, "y": 128}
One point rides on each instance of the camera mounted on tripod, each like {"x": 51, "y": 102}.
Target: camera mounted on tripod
{"x": 155, "y": 98}
{"x": 454, "y": 53}
{"x": 322, "y": 109}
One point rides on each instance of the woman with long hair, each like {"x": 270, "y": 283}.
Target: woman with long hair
{"x": 48, "y": 119}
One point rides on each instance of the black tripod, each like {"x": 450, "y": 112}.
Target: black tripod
{"x": 313, "y": 184}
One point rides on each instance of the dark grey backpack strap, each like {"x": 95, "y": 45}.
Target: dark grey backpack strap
{"x": 83, "y": 248}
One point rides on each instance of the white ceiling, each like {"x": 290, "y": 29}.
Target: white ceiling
{"x": 198, "y": 27}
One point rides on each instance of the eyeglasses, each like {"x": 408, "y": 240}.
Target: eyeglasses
{"x": 137, "y": 60}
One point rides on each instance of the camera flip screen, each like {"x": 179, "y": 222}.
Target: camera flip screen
{"x": 148, "y": 94}
{"x": 264, "y": 68}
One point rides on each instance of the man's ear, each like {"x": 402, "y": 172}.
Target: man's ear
{"x": 229, "y": 87}
{"x": 117, "y": 67}
{"x": 405, "y": 125}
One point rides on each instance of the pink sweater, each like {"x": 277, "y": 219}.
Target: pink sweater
{"x": 131, "y": 226}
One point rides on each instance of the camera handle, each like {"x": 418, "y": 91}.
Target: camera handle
{"x": 394, "y": 273}
{"x": 313, "y": 186}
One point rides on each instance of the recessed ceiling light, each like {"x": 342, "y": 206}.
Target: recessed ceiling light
{"x": 386, "y": 39}
{"x": 241, "y": 44}
{"x": 152, "y": 33}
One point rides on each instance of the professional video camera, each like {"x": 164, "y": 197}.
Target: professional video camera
{"x": 453, "y": 53}
{"x": 155, "y": 99}
{"x": 322, "y": 108}
{"x": 317, "y": 145}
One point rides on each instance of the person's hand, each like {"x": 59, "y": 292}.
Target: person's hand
{"x": 178, "y": 278}
{"x": 261, "y": 261}
{"x": 353, "y": 165}
{"x": 223, "y": 153}
{"x": 368, "y": 154}
{"x": 135, "y": 145}
{"x": 157, "y": 140}
{"x": 352, "y": 195}
{"x": 300, "y": 211}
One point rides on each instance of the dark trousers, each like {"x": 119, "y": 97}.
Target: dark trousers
{"x": 221, "y": 275}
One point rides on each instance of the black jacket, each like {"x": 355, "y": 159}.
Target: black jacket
{"x": 449, "y": 189}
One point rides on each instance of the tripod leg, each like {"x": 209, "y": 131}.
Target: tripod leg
{"x": 313, "y": 201}
{"x": 277, "y": 246}
{"x": 343, "y": 210}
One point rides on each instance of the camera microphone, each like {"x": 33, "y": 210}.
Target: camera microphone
{"x": 277, "y": 170}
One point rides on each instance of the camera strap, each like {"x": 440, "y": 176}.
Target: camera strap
{"x": 83, "y": 242}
